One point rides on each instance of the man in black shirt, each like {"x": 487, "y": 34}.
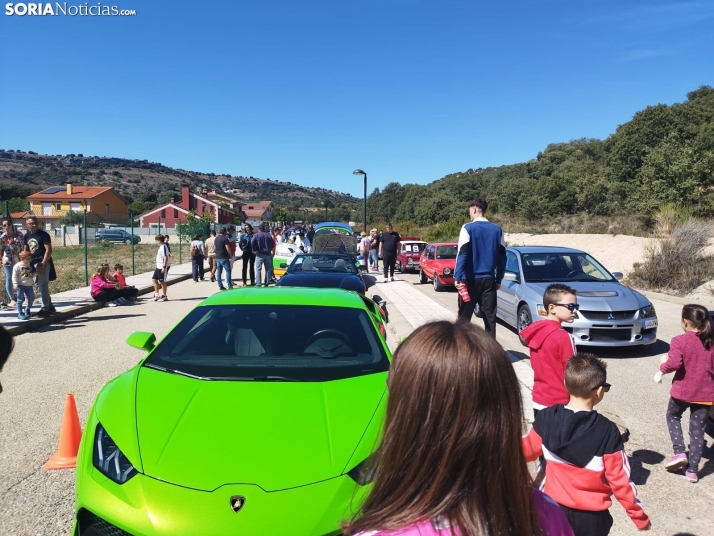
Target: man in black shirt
{"x": 39, "y": 244}
{"x": 388, "y": 247}
{"x": 223, "y": 259}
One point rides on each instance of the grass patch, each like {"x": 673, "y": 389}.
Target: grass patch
{"x": 69, "y": 261}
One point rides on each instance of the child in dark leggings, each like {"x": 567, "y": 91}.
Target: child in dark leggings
{"x": 691, "y": 358}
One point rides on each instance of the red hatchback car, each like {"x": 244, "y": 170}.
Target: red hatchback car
{"x": 438, "y": 262}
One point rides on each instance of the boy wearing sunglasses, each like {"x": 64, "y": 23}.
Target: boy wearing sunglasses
{"x": 551, "y": 346}
{"x": 587, "y": 462}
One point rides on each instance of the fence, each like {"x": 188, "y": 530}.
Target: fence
{"x": 81, "y": 241}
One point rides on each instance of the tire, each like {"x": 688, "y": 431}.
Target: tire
{"x": 423, "y": 279}
{"x": 399, "y": 268}
{"x": 438, "y": 287}
{"x": 127, "y": 241}
{"x": 523, "y": 320}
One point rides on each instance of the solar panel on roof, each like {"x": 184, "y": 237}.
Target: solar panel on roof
{"x": 53, "y": 190}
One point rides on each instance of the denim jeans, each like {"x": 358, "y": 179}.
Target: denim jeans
{"x": 373, "y": 258}
{"x": 260, "y": 260}
{"x": 223, "y": 264}
{"x": 8, "y": 282}
{"x": 43, "y": 284}
{"x": 22, "y": 293}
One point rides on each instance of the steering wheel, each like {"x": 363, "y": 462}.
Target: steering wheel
{"x": 572, "y": 273}
{"x": 324, "y": 332}
{"x": 328, "y": 351}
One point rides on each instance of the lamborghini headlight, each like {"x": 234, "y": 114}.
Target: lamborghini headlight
{"x": 363, "y": 473}
{"x": 109, "y": 460}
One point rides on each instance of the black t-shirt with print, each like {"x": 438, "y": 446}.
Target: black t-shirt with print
{"x": 390, "y": 241}
{"x": 36, "y": 242}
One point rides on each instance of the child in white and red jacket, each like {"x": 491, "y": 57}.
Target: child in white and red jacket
{"x": 586, "y": 459}
{"x": 691, "y": 358}
{"x": 551, "y": 346}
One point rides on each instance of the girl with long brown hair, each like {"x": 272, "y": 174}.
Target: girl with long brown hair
{"x": 450, "y": 460}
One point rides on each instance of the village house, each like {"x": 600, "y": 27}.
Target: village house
{"x": 102, "y": 204}
{"x": 258, "y": 212}
{"x": 175, "y": 212}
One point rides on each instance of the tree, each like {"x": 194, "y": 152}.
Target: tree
{"x": 73, "y": 217}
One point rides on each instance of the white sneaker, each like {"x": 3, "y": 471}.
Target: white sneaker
{"x": 163, "y": 298}
{"x": 110, "y": 304}
{"x": 155, "y": 298}
{"x": 385, "y": 280}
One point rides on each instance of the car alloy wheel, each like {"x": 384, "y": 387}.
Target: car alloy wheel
{"x": 524, "y": 320}
{"x": 422, "y": 277}
{"x": 438, "y": 287}
{"x": 398, "y": 267}
{"x": 127, "y": 241}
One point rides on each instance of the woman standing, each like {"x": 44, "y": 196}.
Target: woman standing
{"x": 12, "y": 244}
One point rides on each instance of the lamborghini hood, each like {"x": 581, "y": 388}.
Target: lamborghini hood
{"x": 202, "y": 434}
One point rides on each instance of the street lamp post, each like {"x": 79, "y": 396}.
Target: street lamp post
{"x": 360, "y": 172}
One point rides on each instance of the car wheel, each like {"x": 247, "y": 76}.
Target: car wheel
{"x": 423, "y": 279}
{"x": 438, "y": 287}
{"x": 127, "y": 241}
{"x": 398, "y": 267}
{"x": 523, "y": 320}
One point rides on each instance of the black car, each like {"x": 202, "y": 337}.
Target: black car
{"x": 117, "y": 235}
{"x": 323, "y": 270}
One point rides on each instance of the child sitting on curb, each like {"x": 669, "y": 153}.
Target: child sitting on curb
{"x": 104, "y": 290}
{"x": 131, "y": 291}
{"x": 22, "y": 282}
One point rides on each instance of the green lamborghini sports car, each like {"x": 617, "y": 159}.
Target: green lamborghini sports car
{"x": 255, "y": 415}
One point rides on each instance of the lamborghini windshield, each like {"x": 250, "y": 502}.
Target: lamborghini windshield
{"x": 272, "y": 343}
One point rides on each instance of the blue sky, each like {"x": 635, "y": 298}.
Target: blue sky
{"x": 308, "y": 90}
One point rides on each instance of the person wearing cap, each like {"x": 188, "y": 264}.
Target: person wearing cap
{"x": 264, "y": 248}
{"x": 389, "y": 247}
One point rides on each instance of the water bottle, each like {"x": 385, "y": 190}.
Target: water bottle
{"x": 464, "y": 293}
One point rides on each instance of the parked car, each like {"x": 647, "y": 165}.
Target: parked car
{"x": 117, "y": 235}
{"x": 408, "y": 256}
{"x": 226, "y": 428}
{"x": 322, "y": 270}
{"x": 437, "y": 263}
{"x": 610, "y": 314}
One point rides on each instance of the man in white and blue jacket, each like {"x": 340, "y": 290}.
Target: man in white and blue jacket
{"x": 480, "y": 265}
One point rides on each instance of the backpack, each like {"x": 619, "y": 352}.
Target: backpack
{"x": 194, "y": 250}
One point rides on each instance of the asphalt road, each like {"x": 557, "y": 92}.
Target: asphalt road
{"x": 674, "y": 505}
{"x": 82, "y": 354}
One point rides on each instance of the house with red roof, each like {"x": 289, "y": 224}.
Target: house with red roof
{"x": 175, "y": 212}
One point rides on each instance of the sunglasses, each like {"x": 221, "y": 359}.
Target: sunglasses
{"x": 570, "y": 306}
{"x": 605, "y": 387}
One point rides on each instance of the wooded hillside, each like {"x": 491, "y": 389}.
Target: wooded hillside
{"x": 664, "y": 155}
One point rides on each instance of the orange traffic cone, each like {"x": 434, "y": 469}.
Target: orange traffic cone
{"x": 70, "y": 435}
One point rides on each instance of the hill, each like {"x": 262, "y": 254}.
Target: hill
{"x": 664, "y": 155}
{"x": 145, "y": 184}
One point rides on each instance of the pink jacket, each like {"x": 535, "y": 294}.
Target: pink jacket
{"x": 99, "y": 284}
{"x": 552, "y": 521}
{"x": 694, "y": 365}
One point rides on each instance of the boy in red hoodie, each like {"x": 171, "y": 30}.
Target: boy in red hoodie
{"x": 551, "y": 346}
{"x": 587, "y": 463}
